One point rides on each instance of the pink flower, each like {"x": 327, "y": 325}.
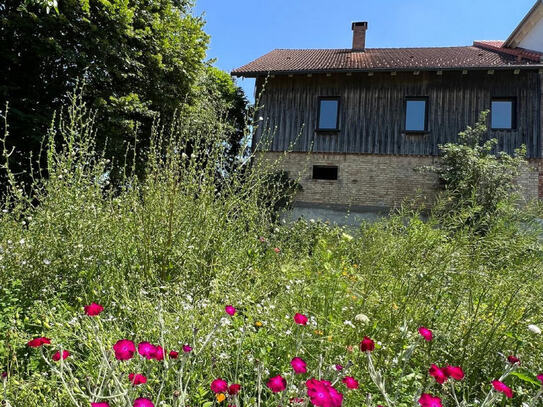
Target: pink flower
{"x": 187, "y": 348}
{"x": 367, "y": 345}
{"x": 262, "y": 239}
{"x": 159, "y": 353}
{"x": 300, "y": 319}
{"x": 102, "y": 404}
{"x": 219, "y": 386}
{"x": 298, "y": 365}
{"x": 93, "y": 309}
{"x": 502, "y": 388}
{"x": 427, "y": 400}
{"x": 147, "y": 350}
{"x": 455, "y": 372}
{"x": 339, "y": 368}
{"x": 56, "y": 356}
{"x": 350, "y": 382}
{"x": 540, "y": 378}
{"x": 296, "y": 400}
{"x": 124, "y": 349}
{"x": 513, "y": 359}
{"x": 137, "y": 379}
{"x": 426, "y": 333}
{"x": 37, "y": 342}
{"x": 438, "y": 374}
{"x": 230, "y": 310}
{"x": 322, "y": 394}
{"x": 4, "y": 375}
{"x": 143, "y": 402}
{"x": 234, "y": 389}
{"x": 277, "y": 250}
{"x": 173, "y": 354}
{"x": 277, "y": 384}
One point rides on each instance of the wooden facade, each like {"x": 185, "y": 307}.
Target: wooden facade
{"x": 372, "y": 110}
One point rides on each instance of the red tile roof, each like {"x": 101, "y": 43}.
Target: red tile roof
{"x": 482, "y": 55}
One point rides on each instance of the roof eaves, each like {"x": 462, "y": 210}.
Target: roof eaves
{"x": 509, "y": 42}
{"x": 254, "y": 74}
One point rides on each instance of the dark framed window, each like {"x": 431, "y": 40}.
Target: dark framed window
{"x": 328, "y": 114}
{"x": 327, "y": 172}
{"x": 416, "y": 114}
{"x": 503, "y": 114}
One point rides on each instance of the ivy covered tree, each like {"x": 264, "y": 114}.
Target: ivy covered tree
{"x": 138, "y": 60}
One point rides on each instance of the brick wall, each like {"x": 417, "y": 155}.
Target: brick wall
{"x": 383, "y": 181}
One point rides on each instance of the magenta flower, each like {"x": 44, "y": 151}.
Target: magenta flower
{"x": 277, "y": 250}
{"x": 426, "y": 334}
{"x": 219, "y": 386}
{"x": 300, "y": 319}
{"x": 350, "y": 382}
{"x": 437, "y": 374}
{"x": 230, "y": 310}
{"x": 234, "y": 389}
{"x": 502, "y": 388}
{"x": 540, "y": 378}
{"x": 37, "y": 342}
{"x": 187, "y": 348}
{"x": 143, "y": 402}
{"x": 173, "y": 354}
{"x": 4, "y": 375}
{"x": 277, "y": 384}
{"x": 367, "y": 345}
{"x": 147, "y": 350}
{"x": 137, "y": 379}
{"x": 298, "y": 365}
{"x": 102, "y": 404}
{"x": 93, "y": 309}
{"x": 56, "y": 356}
{"x": 513, "y": 359}
{"x": 322, "y": 394}
{"x": 427, "y": 400}
{"x": 159, "y": 353}
{"x": 124, "y": 349}
{"x": 339, "y": 368}
{"x": 455, "y": 372}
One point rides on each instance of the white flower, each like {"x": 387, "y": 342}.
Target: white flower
{"x": 535, "y": 329}
{"x": 46, "y": 261}
{"x": 362, "y": 318}
{"x": 349, "y": 323}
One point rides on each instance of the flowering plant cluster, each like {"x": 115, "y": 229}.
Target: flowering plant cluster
{"x": 306, "y": 389}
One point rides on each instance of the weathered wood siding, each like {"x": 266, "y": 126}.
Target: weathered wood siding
{"x": 372, "y": 110}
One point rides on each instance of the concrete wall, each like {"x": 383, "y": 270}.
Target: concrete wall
{"x": 377, "y": 181}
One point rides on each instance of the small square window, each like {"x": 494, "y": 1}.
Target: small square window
{"x": 416, "y": 115}
{"x": 324, "y": 172}
{"x": 503, "y": 114}
{"x": 328, "y": 116}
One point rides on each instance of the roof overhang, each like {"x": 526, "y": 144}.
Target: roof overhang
{"x": 527, "y": 23}
{"x": 256, "y": 74}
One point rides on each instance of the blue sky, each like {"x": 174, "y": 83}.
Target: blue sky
{"x": 242, "y": 30}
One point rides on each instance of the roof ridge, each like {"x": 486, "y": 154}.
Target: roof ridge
{"x": 375, "y": 49}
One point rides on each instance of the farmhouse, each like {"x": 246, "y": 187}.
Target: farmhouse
{"x": 358, "y": 123}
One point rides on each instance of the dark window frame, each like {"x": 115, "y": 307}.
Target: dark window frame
{"x": 426, "y": 101}
{"x": 319, "y": 100}
{"x": 514, "y": 113}
{"x": 327, "y": 167}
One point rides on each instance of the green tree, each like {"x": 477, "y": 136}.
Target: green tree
{"x": 479, "y": 183}
{"x": 138, "y": 59}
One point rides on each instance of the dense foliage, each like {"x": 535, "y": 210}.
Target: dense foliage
{"x": 138, "y": 59}
{"x": 164, "y": 255}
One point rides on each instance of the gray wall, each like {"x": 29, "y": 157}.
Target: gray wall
{"x": 372, "y": 111}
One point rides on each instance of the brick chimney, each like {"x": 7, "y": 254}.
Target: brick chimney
{"x": 359, "y": 35}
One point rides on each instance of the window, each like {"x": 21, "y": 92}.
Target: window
{"x": 324, "y": 172}
{"x": 416, "y": 115}
{"x": 328, "y": 117}
{"x": 503, "y": 113}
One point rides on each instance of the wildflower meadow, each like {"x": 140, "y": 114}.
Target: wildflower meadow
{"x": 182, "y": 287}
